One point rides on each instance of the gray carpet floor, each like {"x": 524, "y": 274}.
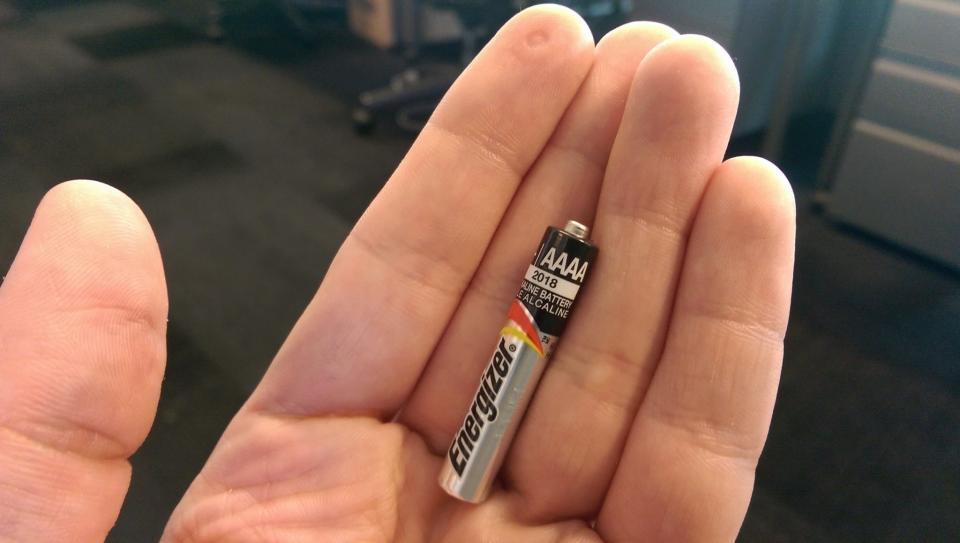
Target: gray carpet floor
{"x": 245, "y": 161}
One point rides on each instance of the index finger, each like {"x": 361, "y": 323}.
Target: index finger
{"x": 361, "y": 344}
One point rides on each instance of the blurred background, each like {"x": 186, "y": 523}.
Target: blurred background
{"x": 254, "y": 132}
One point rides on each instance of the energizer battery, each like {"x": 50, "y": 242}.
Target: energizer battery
{"x": 535, "y": 321}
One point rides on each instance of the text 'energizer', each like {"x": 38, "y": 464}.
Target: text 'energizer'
{"x": 484, "y": 407}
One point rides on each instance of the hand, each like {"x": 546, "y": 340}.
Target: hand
{"x": 647, "y": 424}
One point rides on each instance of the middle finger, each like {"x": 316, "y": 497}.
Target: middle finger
{"x": 563, "y": 184}
{"x": 674, "y": 132}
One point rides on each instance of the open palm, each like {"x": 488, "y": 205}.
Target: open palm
{"x": 647, "y": 424}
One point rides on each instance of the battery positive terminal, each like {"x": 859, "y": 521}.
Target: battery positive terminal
{"x": 577, "y": 230}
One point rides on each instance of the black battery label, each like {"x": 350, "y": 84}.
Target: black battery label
{"x": 553, "y": 279}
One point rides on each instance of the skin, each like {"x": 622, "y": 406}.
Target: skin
{"x": 647, "y": 425}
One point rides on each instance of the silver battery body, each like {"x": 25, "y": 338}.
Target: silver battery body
{"x": 511, "y": 376}
{"x": 479, "y": 459}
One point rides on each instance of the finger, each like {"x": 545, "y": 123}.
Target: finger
{"x": 82, "y": 323}
{"x": 563, "y": 185}
{"x": 362, "y": 342}
{"x": 674, "y": 131}
{"x": 687, "y": 471}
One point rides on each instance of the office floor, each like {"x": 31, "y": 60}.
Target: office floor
{"x": 245, "y": 162}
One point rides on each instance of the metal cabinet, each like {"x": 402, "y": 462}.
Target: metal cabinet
{"x": 899, "y": 174}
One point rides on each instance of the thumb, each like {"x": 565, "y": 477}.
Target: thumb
{"x": 82, "y": 325}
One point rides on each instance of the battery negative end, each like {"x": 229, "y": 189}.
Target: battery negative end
{"x": 577, "y": 230}
{"x": 449, "y": 483}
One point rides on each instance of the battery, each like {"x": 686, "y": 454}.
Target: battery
{"x": 535, "y": 321}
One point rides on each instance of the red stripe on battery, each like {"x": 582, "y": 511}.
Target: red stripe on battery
{"x": 518, "y": 314}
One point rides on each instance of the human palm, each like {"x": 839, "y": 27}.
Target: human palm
{"x": 647, "y": 424}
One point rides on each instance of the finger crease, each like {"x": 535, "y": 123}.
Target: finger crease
{"x": 593, "y": 163}
{"x": 661, "y": 223}
{"x": 738, "y": 321}
{"x": 724, "y": 441}
{"x": 488, "y": 290}
{"x": 75, "y": 438}
{"x": 490, "y": 147}
{"x": 581, "y": 360}
{"x": 420, "y": 275}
